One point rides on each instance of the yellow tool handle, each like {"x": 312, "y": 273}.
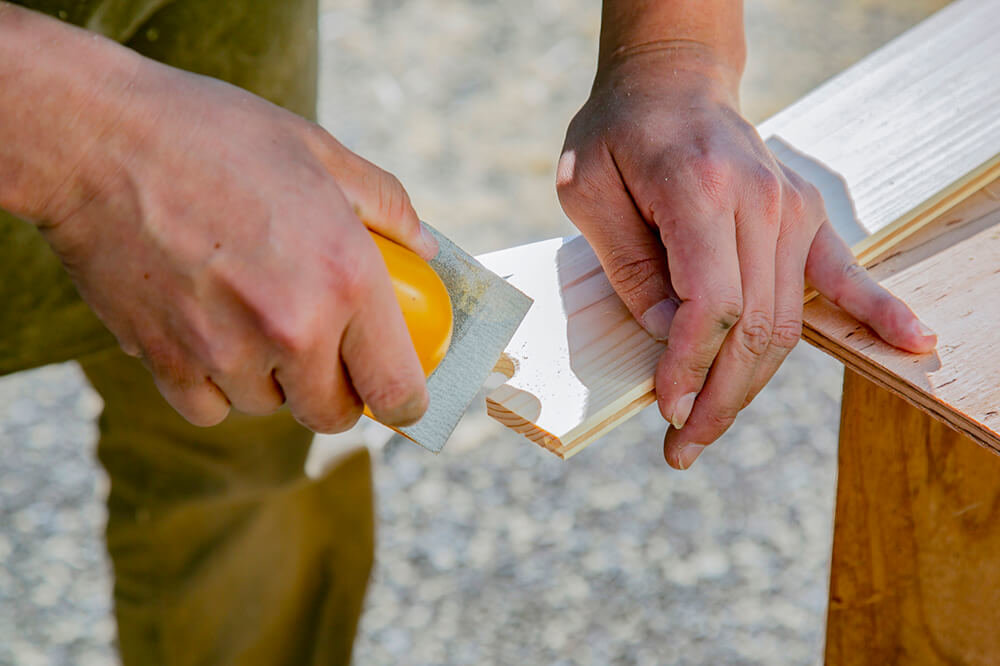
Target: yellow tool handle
{"x": 423, "y": 299}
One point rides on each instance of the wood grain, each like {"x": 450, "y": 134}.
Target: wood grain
{"x": 905, "y": 128}
{"x": 949, "y": 273}
{"x": 579, "y": 363}
{"x": 917, "y": 531}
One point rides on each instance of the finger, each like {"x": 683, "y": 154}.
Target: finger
{"x": 705, "y": 272}
{"x": 192, "y": 394}
{"x": 379, "y": 199}
{"x": 258, "y": 394}
{"x": 379, "y": 354}
{"x": 803, "y": 212}
{"x": 318, "y": 391}
{"x": 239, "y": 366}
{"x": 727, "y": 385}
{"x": 630, "y": 250}
{"x": 787, "y": 328}
{"x": 832, "y": 269}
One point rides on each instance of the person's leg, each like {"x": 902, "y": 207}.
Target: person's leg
{"x": 223, "y": 551}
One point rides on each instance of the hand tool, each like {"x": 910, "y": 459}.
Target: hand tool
{"x": 484, "y": 313}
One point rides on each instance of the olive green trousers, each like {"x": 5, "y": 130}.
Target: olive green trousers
{"x": 223, "y": 551}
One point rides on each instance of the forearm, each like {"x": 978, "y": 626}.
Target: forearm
{"x": 699, "y": 35}
{"x": 61, "y": 90}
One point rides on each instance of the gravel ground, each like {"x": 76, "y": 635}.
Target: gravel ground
{"x": 494, "y": 551}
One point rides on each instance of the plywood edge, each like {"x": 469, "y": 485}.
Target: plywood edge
{"x": 883, "y": 377}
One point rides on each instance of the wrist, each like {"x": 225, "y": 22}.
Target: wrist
{"x": 693, "y": 38}
{"x": 57, "y": 110}
{"x": 684, "y": 72}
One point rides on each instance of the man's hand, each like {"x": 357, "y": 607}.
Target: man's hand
{"x": 705, "y": 236}
{"x": 219, "y": 238}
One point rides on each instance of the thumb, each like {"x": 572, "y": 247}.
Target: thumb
{"x": 379, "y": 199}
{"x": 630, "y": 251}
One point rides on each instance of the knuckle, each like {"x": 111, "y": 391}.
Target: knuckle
{"x": 391, "y": 201}
{"x": 699, "y": 365}
{"x": 713, "y": 174}
{"x": 394, "y": 202}
{"x": 332, "y": 421}
{"x": 755, "y": 332}
{"x": 223, "y": 357}
{"x": 767, "y": 185}
{"x": 347, "y": 280}
{"x": 853, "y": 279}
{"x": 854, "y": 274}
{"x": 394, "y": 395}
{"x": 319, "y": 134}
{"x": 804, "y": 202}
{"x": 292, "y": 332}
{"x": 690, "y": 361}
{"x": 582, "y": 183}
{"x": 786, "y": 333}
{"x": 323, "y": 144}
{"x": 566, "y": 174}
{"x": 575, "y": 197}
{"x": 726, "y": 306}
{"x": 796, "y": 204}
{"x": 811, "y": 196}
{"x": 629, "y": 272}
{"x": 719, "y": 420}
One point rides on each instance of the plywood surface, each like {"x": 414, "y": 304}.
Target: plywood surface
{"x": 949, "y": 274}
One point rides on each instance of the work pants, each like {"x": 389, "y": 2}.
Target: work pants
{"x": 224, "y": 552}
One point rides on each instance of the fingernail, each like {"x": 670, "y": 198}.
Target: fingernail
{"x": 688, "y": 454}
{"x": 924, "y": 330}
{"x": 656, "y": 320}
{"x": 430, "y": 242}
{"x": 406, "y": 414}
{"x": 682, "y": 410}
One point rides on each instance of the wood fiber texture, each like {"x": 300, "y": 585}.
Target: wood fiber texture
{"x": 579, "y": 364}
{"x": 905, "y": 128}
